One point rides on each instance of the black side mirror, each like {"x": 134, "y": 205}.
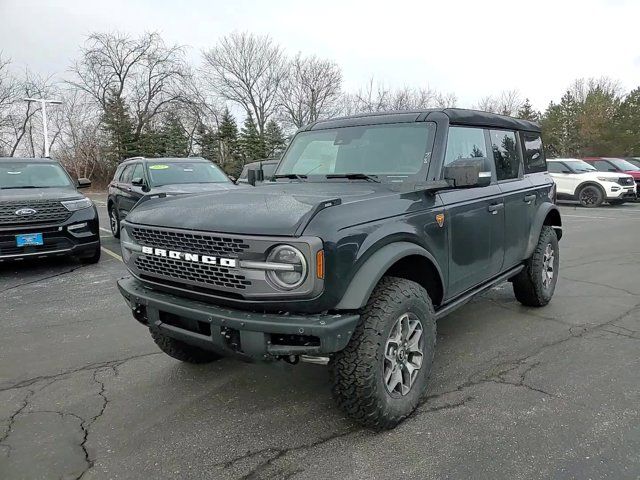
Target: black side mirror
{"x": 251, "y": 177}
{"x": 467, "y": 173}
{"x": 260, "y": 174}
{"x": 84, "y": 183}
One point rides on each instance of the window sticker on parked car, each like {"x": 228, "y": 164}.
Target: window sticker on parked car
{"x": 158, "y": 167}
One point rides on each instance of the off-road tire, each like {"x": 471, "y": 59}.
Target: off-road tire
{"x": 91, "y": 259}
{"x": 595, "y": 196}
{"x": 528, "y": 286}
{"x": 114, "y": 221}
{"x": 356, "y": 372}
{"x": 180, "y": 350}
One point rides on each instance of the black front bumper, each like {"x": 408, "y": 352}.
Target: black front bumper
{"x": 59, "y": 239}
{"x": 235, "y": 332}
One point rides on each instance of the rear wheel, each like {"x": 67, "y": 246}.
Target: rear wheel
{"x": 534, "y": 286}
{"x": 182, "y": 351}
{"x": 591, "y": 196}
{"x": 114, "y": 221}
{"x": 380, "y": 377}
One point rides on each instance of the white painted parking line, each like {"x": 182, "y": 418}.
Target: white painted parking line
{"x": 113, "y": 254}
{"x": 105, "y": 229}
{"x": 592, "y": 217}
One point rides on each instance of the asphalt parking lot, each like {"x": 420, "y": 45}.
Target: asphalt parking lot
{"x": 516, "y": 393}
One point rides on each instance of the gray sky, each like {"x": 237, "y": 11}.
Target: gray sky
{"x": 472, "y": 48}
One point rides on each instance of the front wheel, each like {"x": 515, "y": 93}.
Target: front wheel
{"x": 534, "y": 286}
{"x": 591, "y": 196}
{"x": 114, "y": 221}
{"x": 380, "y": 377}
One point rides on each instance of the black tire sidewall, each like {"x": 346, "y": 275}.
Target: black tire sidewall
{"x": 548, "y": 237}
{"x": 398, "y": 406}
{"x": 113, "y": 213}
{"x": 598, "y": 191}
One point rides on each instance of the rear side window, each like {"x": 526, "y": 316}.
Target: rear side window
{"x": 534, "y": 159}
{"x": 505, "y": 154}
{"x": 604, "y": 166}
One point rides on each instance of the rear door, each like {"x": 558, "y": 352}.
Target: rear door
{"x": 474, "y": 216}
{"x": 519, "y": 194}
{"x": 127, "y": 195}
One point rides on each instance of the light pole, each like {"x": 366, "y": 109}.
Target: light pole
{"x": 43, "y": 105}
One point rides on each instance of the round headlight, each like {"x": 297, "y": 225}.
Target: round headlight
{"x": 294, "y": 267}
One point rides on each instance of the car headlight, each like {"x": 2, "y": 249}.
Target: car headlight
{"x": 607, "y": 179}
{"x": 73, "y": 205}
{"x": 292, "y": 267}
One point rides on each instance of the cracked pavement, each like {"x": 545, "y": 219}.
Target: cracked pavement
{"x": 515, "y": 393}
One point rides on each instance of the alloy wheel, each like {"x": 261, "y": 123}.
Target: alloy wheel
{"x": 548, "y": 260}
{"x": 403, "y": 354}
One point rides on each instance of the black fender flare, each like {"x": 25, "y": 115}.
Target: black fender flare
{"x": 372, "y": 270}
{"x": 538, "y": 223}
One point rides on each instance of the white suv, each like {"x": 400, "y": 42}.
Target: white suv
{"x": 577, "y": 180}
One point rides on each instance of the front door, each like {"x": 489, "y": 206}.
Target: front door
{"x": 474, "y": 217}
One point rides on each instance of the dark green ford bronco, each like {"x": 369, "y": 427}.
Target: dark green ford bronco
{"x": 372, "y": 228}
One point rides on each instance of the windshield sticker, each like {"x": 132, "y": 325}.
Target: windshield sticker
{"x": 158, "y": 167}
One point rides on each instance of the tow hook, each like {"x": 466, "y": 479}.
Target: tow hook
{"x": 140, "y": 314}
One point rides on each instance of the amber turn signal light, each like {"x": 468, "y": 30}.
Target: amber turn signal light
{"x": 320, "y": 264}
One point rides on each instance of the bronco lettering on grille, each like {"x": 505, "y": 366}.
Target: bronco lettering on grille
{"x": 190, "y": 257}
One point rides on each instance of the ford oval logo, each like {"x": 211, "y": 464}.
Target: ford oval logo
{"x": 25, "y": 212}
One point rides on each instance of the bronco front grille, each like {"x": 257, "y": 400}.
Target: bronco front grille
{"x": 213, "y": 276}
{"x": 47, "y": 211}
{"x": 204, "y": 244}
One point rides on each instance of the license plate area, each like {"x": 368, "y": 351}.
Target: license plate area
{"x": 29, "y": 239}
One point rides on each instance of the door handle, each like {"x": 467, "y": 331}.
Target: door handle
{"x": 529, "y": 198}
{"x": 495, "y": 207}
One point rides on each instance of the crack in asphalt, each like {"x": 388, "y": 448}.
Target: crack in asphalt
{"x": 604, "y": 285}
{"x": 14, "y": 415}
{"x": 30, "y": 282}
{"x": 527, "y": 313}
{"x": 89, "y": 367}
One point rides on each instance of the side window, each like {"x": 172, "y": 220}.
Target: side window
{"x": 116, "y": 175}
{"x": 465, "y": 143}
{"x": 604, "y": 166}
{"x": 556, "y": 167}
{"x": 127, "y": 174}
{"x": 534, "y": 160}
{"x": 505, "y": 154}
{"x": 138, "y": 171}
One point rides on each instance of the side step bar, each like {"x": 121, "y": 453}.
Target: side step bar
{"x": 465, "y": 297}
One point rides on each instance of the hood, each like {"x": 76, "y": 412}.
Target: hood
{"x": 595, "y": 174}
{"x": 268, "y": 209}
{"x": 194, "y": 187}
{"x": 26, "y": 194}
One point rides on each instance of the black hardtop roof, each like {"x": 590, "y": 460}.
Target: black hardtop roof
{"x": 166, "y": 159}
{"x": 30, "y": 160}
{"x": 457, "y": 116}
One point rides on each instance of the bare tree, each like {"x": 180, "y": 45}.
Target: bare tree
{"x": 247, "y": 69}
{"x": 310, "y": 90}
{"x": 143, "y": 73}
{"x": 508, "y": 102}
{"x": 446, "y": 100}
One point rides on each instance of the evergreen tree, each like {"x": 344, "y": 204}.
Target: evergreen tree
{"x": 118, "y": 127}
{"x": 560, "y": 127}
{"x": 526, "y": 112}
{"x": 207, "y": 141}
{"x": 252, "y": 144}
{"x": 627, "y": 125}
{"x": 174, "y": 141}
{"x": 228, "y": 145}
{"x": 274, "y": 139}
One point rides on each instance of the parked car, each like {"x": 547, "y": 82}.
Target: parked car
{"x": 268, "y": 167}
{"x": 42, "y": 214}
{"x": 613, "y": 165}
{"x": 634, "y": 160}
{"x": 579, "y": 180}
{"x": 138, "y": 178}
{"x": 405, "y": 217}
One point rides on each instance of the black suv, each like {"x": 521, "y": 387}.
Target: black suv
{"x": 373, "y": 228}
{"x": 42, "y": 214}
{"x": 264, "y": 171}
{"x": 144, "y": 178}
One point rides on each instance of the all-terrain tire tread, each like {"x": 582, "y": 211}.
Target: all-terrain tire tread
{"x": 527, "y": 285}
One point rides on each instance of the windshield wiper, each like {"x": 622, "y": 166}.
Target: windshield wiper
{"x": 293, "y": 176}
{"x": 23, "y": 186}
{"x": 355, "y": 176}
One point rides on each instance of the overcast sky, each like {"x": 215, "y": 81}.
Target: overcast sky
{"x": 472, "y": 48}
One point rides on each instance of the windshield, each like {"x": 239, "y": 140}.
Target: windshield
{"x": 394, "y": 150}
{"x": 32, "y": 175}
{"x": 579, "y": 166}
{"x": 623, "y": 164}
{"x": 170, "y": 173}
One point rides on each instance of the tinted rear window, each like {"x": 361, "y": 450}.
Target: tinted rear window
{"x": 534, "y": 159}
